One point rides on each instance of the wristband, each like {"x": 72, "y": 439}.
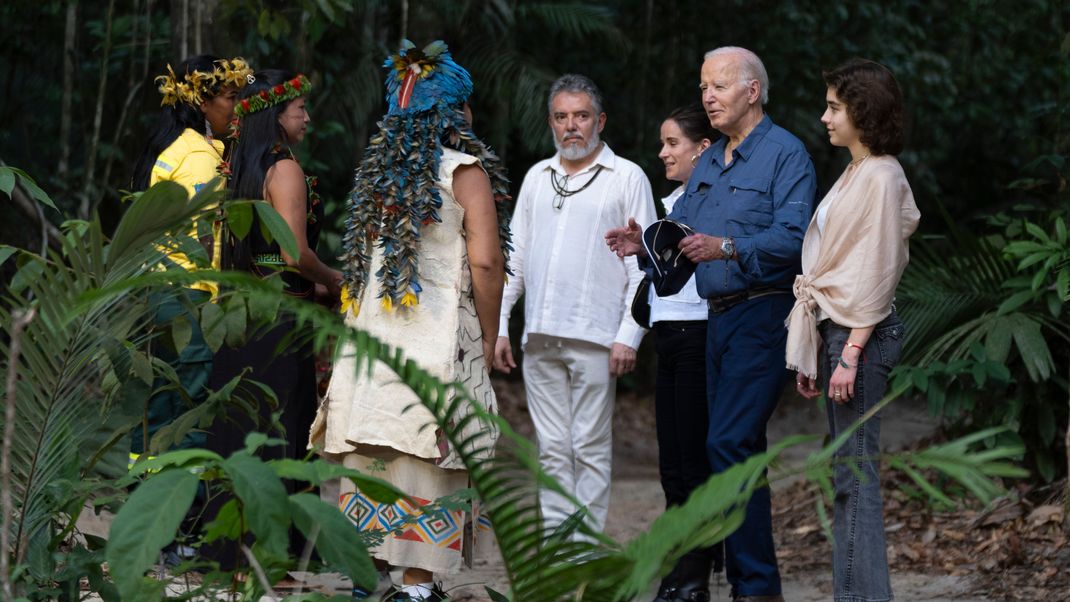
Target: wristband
{"x": 844, "y": 363}
{"x": 860, "y": 349}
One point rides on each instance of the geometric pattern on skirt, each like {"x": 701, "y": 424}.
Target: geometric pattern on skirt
{"x": 405, "y": 521}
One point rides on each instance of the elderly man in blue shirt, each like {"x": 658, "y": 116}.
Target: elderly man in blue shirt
{"x": 749, "y": 199}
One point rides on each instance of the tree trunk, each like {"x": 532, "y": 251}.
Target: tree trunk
{"x": 63, "y": 169}
{"x": 644, "y": 69}
{"x": 137, "y": 79}
{"x": 21, "y": 319}
{"x": 198, "y": 28}
{"x": 404, "y": 19}
{"x": 179, "y": 31}
{"x": 89, "y": 188}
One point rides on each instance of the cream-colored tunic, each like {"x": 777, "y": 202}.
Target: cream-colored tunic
{"x": 441, "y": 334}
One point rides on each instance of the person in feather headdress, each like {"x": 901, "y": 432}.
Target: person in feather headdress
{"x": 424, "y": 264}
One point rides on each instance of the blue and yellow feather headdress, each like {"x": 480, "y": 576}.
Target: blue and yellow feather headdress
{"x": 394, "y": 193}
{"x": 424, "y": 78}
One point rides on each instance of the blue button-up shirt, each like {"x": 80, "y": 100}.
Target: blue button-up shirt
{"x": 763, "y": 200}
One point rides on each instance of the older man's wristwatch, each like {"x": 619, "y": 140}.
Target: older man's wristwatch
{"x": 728, "y": 248}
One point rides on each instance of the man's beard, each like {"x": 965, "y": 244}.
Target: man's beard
{"x": 575, "y": 153}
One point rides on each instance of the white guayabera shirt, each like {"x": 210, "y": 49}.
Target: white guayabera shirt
{"x": 573, "y": 285}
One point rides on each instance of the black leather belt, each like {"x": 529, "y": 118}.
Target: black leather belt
{"x": 722, "y": 304}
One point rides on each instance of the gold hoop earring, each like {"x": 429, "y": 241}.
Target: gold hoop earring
{"x": 694, "y": 160}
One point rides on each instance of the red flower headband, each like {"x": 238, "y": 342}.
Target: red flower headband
{"x": 298, "y": 86}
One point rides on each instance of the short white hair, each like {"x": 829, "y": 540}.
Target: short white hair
{"x": 750, "y": 67}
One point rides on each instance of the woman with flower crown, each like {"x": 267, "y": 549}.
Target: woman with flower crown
{"x": 184, "y": 147}
{"x": 425, "y": 254}
{"x": 272, "y": 118}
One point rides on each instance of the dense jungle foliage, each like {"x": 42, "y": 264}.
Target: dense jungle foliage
{"x": 987, "y": 82}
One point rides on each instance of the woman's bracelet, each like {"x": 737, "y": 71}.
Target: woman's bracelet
{"x": 861, "y": 350}
{"x": 843, "y": 363}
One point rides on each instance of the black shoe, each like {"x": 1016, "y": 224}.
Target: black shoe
{"x": 395, "y": 593}
{"x": 689, "y": 580}
{"x": 683, "y": 594}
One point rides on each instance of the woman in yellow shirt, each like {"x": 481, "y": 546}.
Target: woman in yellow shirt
{"x": 184, "y": 147}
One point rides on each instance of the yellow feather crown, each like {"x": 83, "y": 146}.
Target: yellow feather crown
{"x": 193, "y": 87}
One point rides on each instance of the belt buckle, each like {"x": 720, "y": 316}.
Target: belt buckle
{"x": 722, "y": 304}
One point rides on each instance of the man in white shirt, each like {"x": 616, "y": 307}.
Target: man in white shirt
{"x": 578, "y": 331}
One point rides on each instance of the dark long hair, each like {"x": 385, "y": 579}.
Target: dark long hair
{"x": 874, "y": 103}
{"x": 173, "y": 120}
{"x": 261, "y": 143}
{"x": 694, "y": 122}
{"x": 261, "y": 139}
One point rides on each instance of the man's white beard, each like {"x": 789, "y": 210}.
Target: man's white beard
{"x": 575, "y": 153}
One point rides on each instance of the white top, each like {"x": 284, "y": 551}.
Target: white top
{"x": 573, "y": 285}
{"x": 821, "y": 219}
{"x": 823, "y": 211}
{"x": 441, "y": 334}
{"x": 684, "y": 305}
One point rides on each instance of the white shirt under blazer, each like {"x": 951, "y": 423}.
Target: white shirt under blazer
{"x": 573, "y": 285}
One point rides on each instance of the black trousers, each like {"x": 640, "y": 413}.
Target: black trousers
{"x": 681, "y": 409}
{"x": 288, "y": 368}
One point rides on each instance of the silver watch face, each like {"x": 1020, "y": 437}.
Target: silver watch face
{"x": 727, "y": 248}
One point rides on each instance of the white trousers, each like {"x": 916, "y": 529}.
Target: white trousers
{"x": 570, "y": 396}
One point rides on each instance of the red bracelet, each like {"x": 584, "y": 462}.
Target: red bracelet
{"x": 859, "y": 348}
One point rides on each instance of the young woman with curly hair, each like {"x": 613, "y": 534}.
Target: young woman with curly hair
{"x": 844, "y": 325}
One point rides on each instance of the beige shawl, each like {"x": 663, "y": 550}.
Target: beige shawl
{"x": 851, "y": 269}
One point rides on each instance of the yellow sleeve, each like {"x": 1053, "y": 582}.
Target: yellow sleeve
{"x": 195, "y": 171}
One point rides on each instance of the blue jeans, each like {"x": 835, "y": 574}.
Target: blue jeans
{"x": 745, "y": 355}
{"x": 859, "y": 559}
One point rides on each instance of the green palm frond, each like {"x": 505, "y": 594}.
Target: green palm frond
{"x": 577, "y": 20}
{"x": 962, "y": 290}
{"x": 75, "y": 356}
{"x": 941, "y": 288}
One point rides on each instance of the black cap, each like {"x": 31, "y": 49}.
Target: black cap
{"x": 672, "y": 269}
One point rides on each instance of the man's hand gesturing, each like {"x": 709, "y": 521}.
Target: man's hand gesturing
{"x": 626, "y": 241}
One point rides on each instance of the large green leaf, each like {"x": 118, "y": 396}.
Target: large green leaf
{"x": 239, "y": 218}
{"x": 263, "y": 500}
{"x": 162, "y": 207}
{"x": 7, "y": 180}
{"x": 276, "y": 227}
{"x": 169, "y": 460}
{"x": 336, "y": 538}
{"x": 318, "y": 472}
{"x": 7, "y": 185}
{"x": 146, "y": 523}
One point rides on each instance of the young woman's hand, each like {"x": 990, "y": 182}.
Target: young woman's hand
{"x": 842, "y": 383}
{"x": 806, "y": 386}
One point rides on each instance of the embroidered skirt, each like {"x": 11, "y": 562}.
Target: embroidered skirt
{"x": 440, "y": 540}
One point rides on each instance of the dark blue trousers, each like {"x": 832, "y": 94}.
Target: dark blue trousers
{"x": 745, "y": 351}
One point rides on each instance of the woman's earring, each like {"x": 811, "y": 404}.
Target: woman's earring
{"x": 208, "y": 128}
{"x": 694, "y": 160}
